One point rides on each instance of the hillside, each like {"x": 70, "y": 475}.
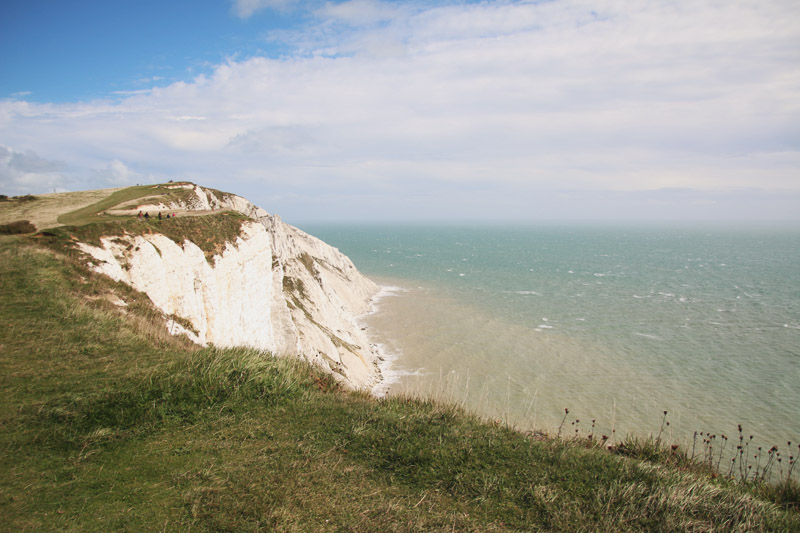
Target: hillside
{"x": 112, "y": 423}
{"x": 225, "y": 272}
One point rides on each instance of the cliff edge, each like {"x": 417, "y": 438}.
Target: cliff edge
{"x": 271, "y": 287}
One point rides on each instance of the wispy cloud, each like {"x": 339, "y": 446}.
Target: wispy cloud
{"x": 246, "y": 8}
{"x": 565, "y": 95}
{"x": 133, "y": 92}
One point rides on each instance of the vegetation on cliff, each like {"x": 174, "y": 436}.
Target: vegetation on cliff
{"x": 211, "y": 233}
{"x": 109, "y": 423}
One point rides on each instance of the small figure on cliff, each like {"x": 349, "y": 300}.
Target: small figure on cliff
{"x": 139, "y": 215}
{"x": 167, "y": 216}
{"x": 147, "y": 216}
{"x": 159, "y": 215}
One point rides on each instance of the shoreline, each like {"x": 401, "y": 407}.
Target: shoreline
{"x": 383, "y": 358}
{"x": 504, "y": 396}
{"x": 637, "y": 323}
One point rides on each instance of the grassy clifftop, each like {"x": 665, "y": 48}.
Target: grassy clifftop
{"x": 102, "y": 205}
{"x": 108, "y": 423}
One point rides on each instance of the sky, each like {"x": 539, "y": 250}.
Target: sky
{"x": 369, "y": 110}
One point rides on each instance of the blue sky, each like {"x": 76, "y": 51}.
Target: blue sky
{"x": 87, "y": 49}
{"x": 370, "y": 110}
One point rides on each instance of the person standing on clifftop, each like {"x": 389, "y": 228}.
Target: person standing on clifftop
{"x": 159, "y": 215}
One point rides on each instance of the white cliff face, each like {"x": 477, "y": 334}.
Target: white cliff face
{"x": 275, "y": 288}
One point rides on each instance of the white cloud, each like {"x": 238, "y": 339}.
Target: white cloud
{"x": 361, "y": 12}
{"x": 246, "y": 8}
{"x": 28, "y": 162}
{"x": 568, "y": 95}
{"x": 133, "y": 92}
{"x": 116, "y": 174}
{"x": 27, "y": 172}
{"x": 23, "y": 173}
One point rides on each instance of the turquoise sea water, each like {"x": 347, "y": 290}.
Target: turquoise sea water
{"x": 617, "y": 323}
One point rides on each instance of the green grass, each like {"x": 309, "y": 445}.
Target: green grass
{"x": 110, "y": 424}
{"x": 92, "y": 213}
{"x": 209, "y": 232}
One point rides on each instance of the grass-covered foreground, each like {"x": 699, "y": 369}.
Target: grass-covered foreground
{"x": 109, "y": 424}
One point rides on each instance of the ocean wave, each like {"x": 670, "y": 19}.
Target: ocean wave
{"x": 389, "y": 374}
{"x": 524, "y": 293}
{"x": 383, "y": 292}
{"x": 648, "y": 336}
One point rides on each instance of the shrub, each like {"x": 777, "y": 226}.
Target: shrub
{"x": 14, "y": 228}
{"x": 26, "y": 198}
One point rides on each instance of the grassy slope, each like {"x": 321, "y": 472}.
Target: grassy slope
{"x": 44, "y": 210}
{"x": 108, "y": 423}
{"x": 89, "y": 213}
{"x": 83, "y": 207}
{"x": 209, "y": 232}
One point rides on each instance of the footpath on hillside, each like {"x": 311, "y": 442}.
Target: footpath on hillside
{"x": 83, "y": 207}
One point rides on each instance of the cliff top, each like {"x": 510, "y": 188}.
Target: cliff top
{"x": 82, "y": 207}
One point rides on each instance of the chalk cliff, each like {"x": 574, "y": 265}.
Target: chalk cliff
{"x": 274, "y": 288}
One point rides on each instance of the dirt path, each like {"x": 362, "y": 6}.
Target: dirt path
{"x": 45, "y": 210}
{"x": 178, "y": 212}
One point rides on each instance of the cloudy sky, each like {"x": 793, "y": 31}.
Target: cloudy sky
{"x": 396, "y": 110}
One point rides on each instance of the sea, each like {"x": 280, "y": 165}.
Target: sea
{"x": 676, "y": 331}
